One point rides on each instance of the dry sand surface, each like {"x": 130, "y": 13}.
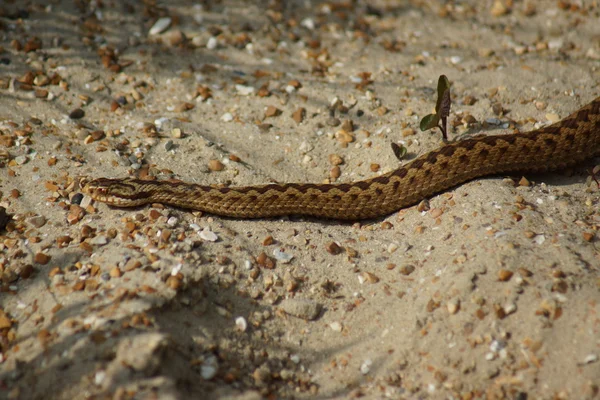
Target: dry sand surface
{"x": 488, "y": 291}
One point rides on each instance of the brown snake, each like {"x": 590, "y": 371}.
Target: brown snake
{"x": 563, "y": 144}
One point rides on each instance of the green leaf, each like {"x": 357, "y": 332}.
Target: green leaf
{"x": 429, "y": 121}
{"x": 399, "y": 150}
{"x": 443, "y": 99}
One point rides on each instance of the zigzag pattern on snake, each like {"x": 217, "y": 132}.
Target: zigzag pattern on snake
{"x": 563, "y": 144}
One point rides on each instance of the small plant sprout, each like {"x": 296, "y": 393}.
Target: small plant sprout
{"x": 442, "y": 109}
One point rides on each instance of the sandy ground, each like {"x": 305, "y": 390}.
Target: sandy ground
{"x": 491, "y": 291}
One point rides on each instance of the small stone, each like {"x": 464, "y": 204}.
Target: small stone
{"x": 272, "y": 111}
{"x": 174, "y": 282}
{"x": 161, "y": 25}
{"x": 241, "y": 324}
{"x": 552, "y": 117}
{"x": 407, "y": 132}
{"x": 115, "y": 272}
{"x": 227, "y": 117}
{"x": 22, "y": 159}
{"x": 78, "y": 113}
{"x": 406, "y": 269}
{"x": 215, "y": 165}
{"x": 369, "y": 277}
{"x": 453, "y": 306}
{"x": 524, "y": 182}
{"x": 37, "y": 221}
{"x": 177, "y": 133}
{"x": 99, "y": 240}
{"x": 335, "y": 172}
{"x": 301, "y": 308}
{"x": 132, "y": 264}
{"x": 335, "y": 159}
{"x": 504, "y": 275}
{"x": 499, "y": 8}
{"x": 588, "y": 236}
{"x": 298, "y": 115}
{"x": 282, "y": 256}
{"x": 336, "y": 326}
{"x": 41, "y": 258}
{"x": 333, "y": 248}
{"x": 208, "y": 235}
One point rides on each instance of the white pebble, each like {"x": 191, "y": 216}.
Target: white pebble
{"x": 172, "y": 221}
{"x": 212, "y": 43}
{"x": 208, "y": 235}
{"x": 241, "y": 324}
{"x": 227, "y": 117}
{"x": 336, "y": 326}
{"x": 282, "y": 256}
{"x": 244, "y": 90}
{"x": 365, "y": 367}
{"x": 160, "y": 26}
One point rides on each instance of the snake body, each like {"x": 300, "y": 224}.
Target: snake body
{"x": 570, "y": 141}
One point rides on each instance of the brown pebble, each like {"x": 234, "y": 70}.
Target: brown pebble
{"x": 26, "y": 271}
{"x": 299, "y": 114}
{"x": 132, "y": 264}
{"x": 371, "y": 278}
{"x": 77, "y": 113}
{"x": 423, "y": 206}
{"x": 15, "y": 193}
{"x": 174, "y": 282}
{"x": 588, "y": 236}
{"x": 215, "y": 165}
{"x": 115, "y": 272}
{"x": 504, "y": 275}
{"x": 265, "y": 261}
{"x": 272, "y": 111}
{"x": 406, "y": 269}
{"x": 374, "y": 167}
{"x": 41, "y": 258}
{"x": 408, "y": 132}
{"x": 267, "y": 241}
{"x": 335, "y": 173}
{"x": 335, "y": 159}
{"x": 234, "y": 158}
{"x": 524, "y": 182}
{"x": 333, "y": 248}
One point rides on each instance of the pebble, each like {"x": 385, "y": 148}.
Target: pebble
{"x": 336, "y": 326}
{"x": 78, "y": 113}
{"x": 21, "y": 159}
{"x": 41, "y": 258}
{"x": 212, "y": 43}
{"x": 172, "y": 221}
{"x": 208, "y": 235}
{"x": 99, "y": 240}
{"x": 215, "y": 165}
{"x": 282, "y": 256}
{"x": 453, "y": 306}
{"x": 209, "y": 368}
{"x": 244, "y": 90}
{"x": 406, "y": 269}
{"x": 241, "y": 324}
{"x": 365, "y": 367}
{"x": 301, "y": 308}
{"x": 168, "y": 145}
{"x": 38, "y": 221}
{"x": 161, "y": 25}
{"x": 552, "y": 117}
{"x": 227, "y": 117}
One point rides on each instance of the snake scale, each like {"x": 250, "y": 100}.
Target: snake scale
{"x": 568, "y": 142}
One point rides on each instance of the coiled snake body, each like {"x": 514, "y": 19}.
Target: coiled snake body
{"x": 563, "y": 144}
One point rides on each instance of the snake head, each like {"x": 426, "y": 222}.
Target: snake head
{"x": 116, "y": 192}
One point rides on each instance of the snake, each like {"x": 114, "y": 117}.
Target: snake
{"x": 561, "y": 145}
